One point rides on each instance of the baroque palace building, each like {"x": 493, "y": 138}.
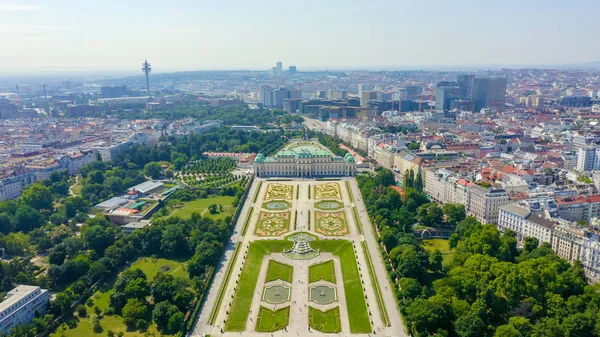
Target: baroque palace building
{"x": 304, "y": 160}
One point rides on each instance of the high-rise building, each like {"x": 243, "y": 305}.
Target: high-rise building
{"x": 489, "y": 92}
{"x": 264, "y": 93}
{"x": 413, "y": 91}
{"x": 465, "y": 82}
{"x": 279, "y": 67}
{"x": 113, "y": 92}
{"x": 445, "y": 93}
{"x": 588, "y": 159}
{"x": 292, "y": 70}
{"x": 366, "y": 96}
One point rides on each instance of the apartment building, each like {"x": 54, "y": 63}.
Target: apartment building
{"x": 578, "y": 208}
{"x": 13, "y": 183}
{"x": 485, "y": 203}
{"x": 443, "y": 186}
{"x": 21, "y": 305}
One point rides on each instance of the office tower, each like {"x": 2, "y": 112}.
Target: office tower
{"x": 489, "y": 92}
{"x": 292, "y": 70}
{"x": 413, "y": 91}
{"x": 465, "y": 82}
{"x": 279, "y": 67}
{"x": 113, "y": 92}
{"x": 366, "y": 96}
{"x": 363, "y": 87}
{"x": 264, "y": 93}
{"x": 445, "y": 93}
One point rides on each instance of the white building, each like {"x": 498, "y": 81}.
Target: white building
{"x": 77, "y": 160}
{"x": 588, "y": 159}
{"x": 304, "y": 161}
{"x": 12, "y": 185}
{"x": 21, "y": 305}
{"x": 110, "y": 152}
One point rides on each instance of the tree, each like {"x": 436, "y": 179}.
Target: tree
{"x": 469, "y": 325}
{"x": 419, "y": 181}
{"x": 153, "y": 169}
{"x": 161, "y": 314}
{"x": 530, "y": 243}
{"x": 6, "y": 224}
{"x": 176, "y": 322}
{"x": 16, "y": 243}
{"x": 133, "y": 311}
{"x": 430, "y": 215}
{"x": 137, "y": 288}
{"x": 409, "y": 288}
{"x": 453, "y": 241}
{"x": 27, "y": 218}
{"x": 81, "y": 311}
{"x": 435, "y": 261}
{"x": 113, "y": 185}
{"x": 173, "y": 241}
{"x": 95, "y": 322}
{"x": 454, "y": 213}
{"x": 212, "y": 209}
{"x": 97, "y": 238}
{"x": 38, "y": 196}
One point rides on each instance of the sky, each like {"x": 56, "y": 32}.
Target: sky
{"x": 176, "y": 35}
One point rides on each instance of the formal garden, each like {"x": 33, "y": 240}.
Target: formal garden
{"x": 269, "y": 320}
{"x": 279, "y": 191}
{"x": 324, "y": 271}
{"x": 279, "y": 271}
{"x": 331, "y": 223}
{"x": 328, "y": 321}
{"x": 272, "y": 320}
{"x": 273, "y": 223}
{"x": 328, "y": 191}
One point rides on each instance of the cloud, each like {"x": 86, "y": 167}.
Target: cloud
{"x": 9, "y": 29}
{"x": 14, "y": 7}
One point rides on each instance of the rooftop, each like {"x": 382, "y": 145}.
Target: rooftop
{"x": 16, "y": 295}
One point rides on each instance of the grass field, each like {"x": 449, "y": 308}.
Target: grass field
{"x": 325, "y": 321}
{"x": 442, "y": 244}
{"x": 279, "y": 271}
{"x": 151, "y": 267}
{"x": 201, "y": 206}
{"x": 101, "y": 299}
{"x": 269, "y": 320}
{"x": 323, "y": 271}
{"x": 355, "y": 298}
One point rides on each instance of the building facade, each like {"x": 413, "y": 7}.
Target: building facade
{"x": 304, "y": 161}
{"x": 21, "y": 305}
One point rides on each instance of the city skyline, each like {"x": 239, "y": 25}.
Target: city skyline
{"x": 68, "y": 36}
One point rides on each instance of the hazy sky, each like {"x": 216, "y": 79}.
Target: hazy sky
{"x": 91, "y": 35}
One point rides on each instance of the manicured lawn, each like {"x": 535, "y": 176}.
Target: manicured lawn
{"x": 76, "y": 189}
{"x": 151, "y": 267}
{"x": 325, "y": 321}
{"x": 269, "y": 320}
{"x": 279, "y": 271}
{"x": 240, "y": 308}
{"x": 201, "y": 206}
{"x": 442, "y": 244}
{"x": 101, "y": 299}
{"x": 355, "y": 298}
{"x": 323, "y": 271}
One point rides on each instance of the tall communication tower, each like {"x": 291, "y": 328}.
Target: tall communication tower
{"x": 146, "y": 69}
